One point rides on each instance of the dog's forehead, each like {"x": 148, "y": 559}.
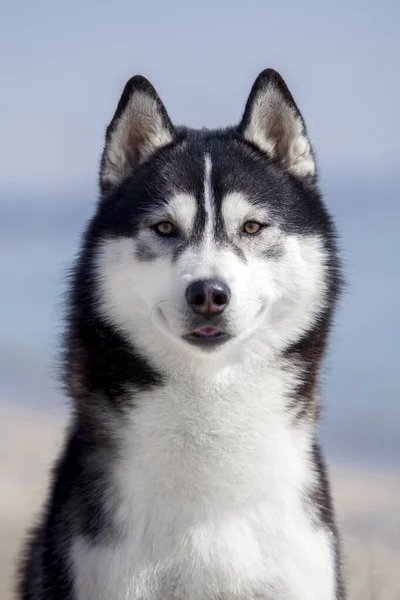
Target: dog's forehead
{"x": 211, "y": 198}
{"x": 228, "y": 167}
{"x": 216, "y": 183}
{"x": 240, "y": 181}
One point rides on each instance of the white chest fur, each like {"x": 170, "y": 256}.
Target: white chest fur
{"x": 213, "y": 480}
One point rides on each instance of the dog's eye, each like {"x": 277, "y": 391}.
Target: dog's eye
{"x": 165, "y": 228}
{"x": 252, "y": 227}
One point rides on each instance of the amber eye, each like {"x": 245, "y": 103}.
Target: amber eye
{"x": 252, "y": 227}
{"x": 165, "y": 228}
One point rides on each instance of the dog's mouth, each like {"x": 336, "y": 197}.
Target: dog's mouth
{"x": 207, "y": 332}
{"x": 207, "y": 336}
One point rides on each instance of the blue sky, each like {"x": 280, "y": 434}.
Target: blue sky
{"x": 64, "y": 66}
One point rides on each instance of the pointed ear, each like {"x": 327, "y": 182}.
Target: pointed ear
{"x": 273, "y": 122}
{"x": 139, "y": 127}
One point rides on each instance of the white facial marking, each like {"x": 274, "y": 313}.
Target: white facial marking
{"x": 208, "y": 194}
{"x": 273, "y": 302}
{"x": 236, "y": 210}
{"x": 182, "y": 209}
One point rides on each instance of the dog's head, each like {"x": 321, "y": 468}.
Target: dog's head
{"x": 207, "y": 238}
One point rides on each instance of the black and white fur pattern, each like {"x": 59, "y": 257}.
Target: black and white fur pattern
{"x": 192, "y": 468}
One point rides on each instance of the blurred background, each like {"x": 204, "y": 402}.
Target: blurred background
{"x": 64, "y": 66}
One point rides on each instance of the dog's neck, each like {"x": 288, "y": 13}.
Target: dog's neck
{"x": 288, "y": 379}
{"x": 226, "y": 438}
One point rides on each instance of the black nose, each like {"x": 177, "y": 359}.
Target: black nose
{"x": 208, "y": 297}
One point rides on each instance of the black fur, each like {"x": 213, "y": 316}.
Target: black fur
{"x": 321, "y": 500}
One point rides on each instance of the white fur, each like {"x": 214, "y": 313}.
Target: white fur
{"x": 207, "y": 199}
{"x": 212, "y": 476}
{"x": 182, "y": 211}
{"x": 211, "y": 480}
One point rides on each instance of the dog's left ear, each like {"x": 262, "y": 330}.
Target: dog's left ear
{"x": 139, "y": 128}
{"x": 274, "y": 124}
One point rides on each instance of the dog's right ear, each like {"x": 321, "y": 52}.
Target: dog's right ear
{"x": 139, "y": 127}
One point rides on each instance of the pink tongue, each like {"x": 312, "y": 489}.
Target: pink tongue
{"x": 207, "y": 330}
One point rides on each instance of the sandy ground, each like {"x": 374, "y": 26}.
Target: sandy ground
{"x": 368, "y": 506}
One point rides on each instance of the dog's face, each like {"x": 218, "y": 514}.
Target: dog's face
{"x": 209, "y": 238}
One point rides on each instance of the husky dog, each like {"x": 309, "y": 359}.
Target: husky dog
{"x": 198, "y": 318}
